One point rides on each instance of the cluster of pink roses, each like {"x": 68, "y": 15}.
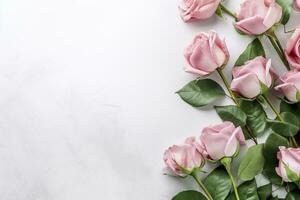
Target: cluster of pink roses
{"x": 252, "y": 79}
{"x": 183, "y": 159}
{"x": 208, "y": 52}
{"x": 254, "y": 18}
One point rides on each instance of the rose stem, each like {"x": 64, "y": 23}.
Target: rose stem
{"x": 227, "y": 86}
{"x": 226, "y": 10}
{"x": 278, "y": 43}
{"x": 278, "y": 115}
{"x": 233, "y": 97}
{"x": 226, "y": 162}
{"x": 201, "y": 185}
{"x": 277, "y": 46}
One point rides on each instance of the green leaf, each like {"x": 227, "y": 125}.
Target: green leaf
{"x": 265, "y": 191}
{"x": 271, "y": 148}
{"x": 254, "y": 49}
{"x": 233, "y": 114}
{"x": 288, "y": 128}
{"x": 291, "y": 108}
{"x": 189, "y": 195}
{"x": 199, "y": 93}
{"x": 218, "y": 183}
{"x": 247, "y": 191}
{"x": 252, "y": 163}
{"x": 290, "y": 118}
{"x": 256, "y": 116}
{"x": 286, "y": 10}
{"x": 293, "y": 196}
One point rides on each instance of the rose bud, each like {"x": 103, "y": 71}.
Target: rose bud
{"x": 257, "y": 16}
{"x": 222, "y": 140}
{"x": 290, "y": 85}
{"x": 206, "y": 54}
{"x": 182, "y": 160}
{"x": 292, "y": 51}
{"x": 289, "y": 164}
{"x": 297, "y": 5}
{"x": 253, "y": 78}
{"x": 193, "y": 10}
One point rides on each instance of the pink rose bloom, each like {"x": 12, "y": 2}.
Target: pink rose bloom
{"x": 198, "y": 144}
{"x": 297, "y": 5}
{"x": 222, "y": 140}
{"x": 292, "y": 51}
{"x": 257, "y": 16}
{"x": 289, "y": 158}
{"x": 192, "y": 10}
{"x": 181, "y": 160}
{"x": 290, "y": 85}
{"x": 248, "y": 79}
{"x": 206, "y": 54}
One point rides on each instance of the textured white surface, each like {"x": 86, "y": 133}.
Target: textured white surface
{"x": 87, "y": 102}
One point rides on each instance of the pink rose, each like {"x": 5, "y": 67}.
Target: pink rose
{"x": 249, "y": 78}
{"x": 290, "y": 85}
{"x": 191, "y": 10}
{"x": 297, "y": 5}
{"x": 289, "y": 164}
{"x": 222, "y": 140}
{"x": 257, "y": 16}
{"x": 182, "y": 160}
{"x": 292, "y": 51}
{"x": 206, "y": 54}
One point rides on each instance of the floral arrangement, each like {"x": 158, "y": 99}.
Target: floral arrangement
{"x": 254, "y": 81}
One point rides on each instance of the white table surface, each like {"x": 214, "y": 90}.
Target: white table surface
{"x": 87, "y": 103}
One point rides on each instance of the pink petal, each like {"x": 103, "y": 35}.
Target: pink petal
{"x": 289, "y": 91}
{"x": 297, "y": 5}
{"x": 206, "y": 11}
{"x": 292, "y": 41}
{"x": 240, "y": 135}
{"x": 273, "y": 16}
{"x": 196, "y": 71}
{"x": 247, "y": 85}
{"x": 252, "y": 25}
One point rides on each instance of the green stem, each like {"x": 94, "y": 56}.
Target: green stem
{"x": 234, "y": 186}
{"x": 294, "y": 141}
{"x": 272, "y": 107}
{"x": 277, "y": 46}
{"x": 201, "y": 185}
{"x": 278, "y": 115}
{"x": 227, "y": 86}
{"x": 278, "y": 43}
{"x": 226, "y": 10}
{"x": 234, "y": 99}
{"x": 227, "y": 164}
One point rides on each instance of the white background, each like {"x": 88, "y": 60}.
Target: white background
{"x": 87, "y": 102}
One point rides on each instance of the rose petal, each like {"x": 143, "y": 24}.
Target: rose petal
{"x": 289, "y": 91}
{"x": 206, "y": 11}
{"x": 273, "y": 16}
{"x": 247, "y": 86}
{"x": 252, "y": 25}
